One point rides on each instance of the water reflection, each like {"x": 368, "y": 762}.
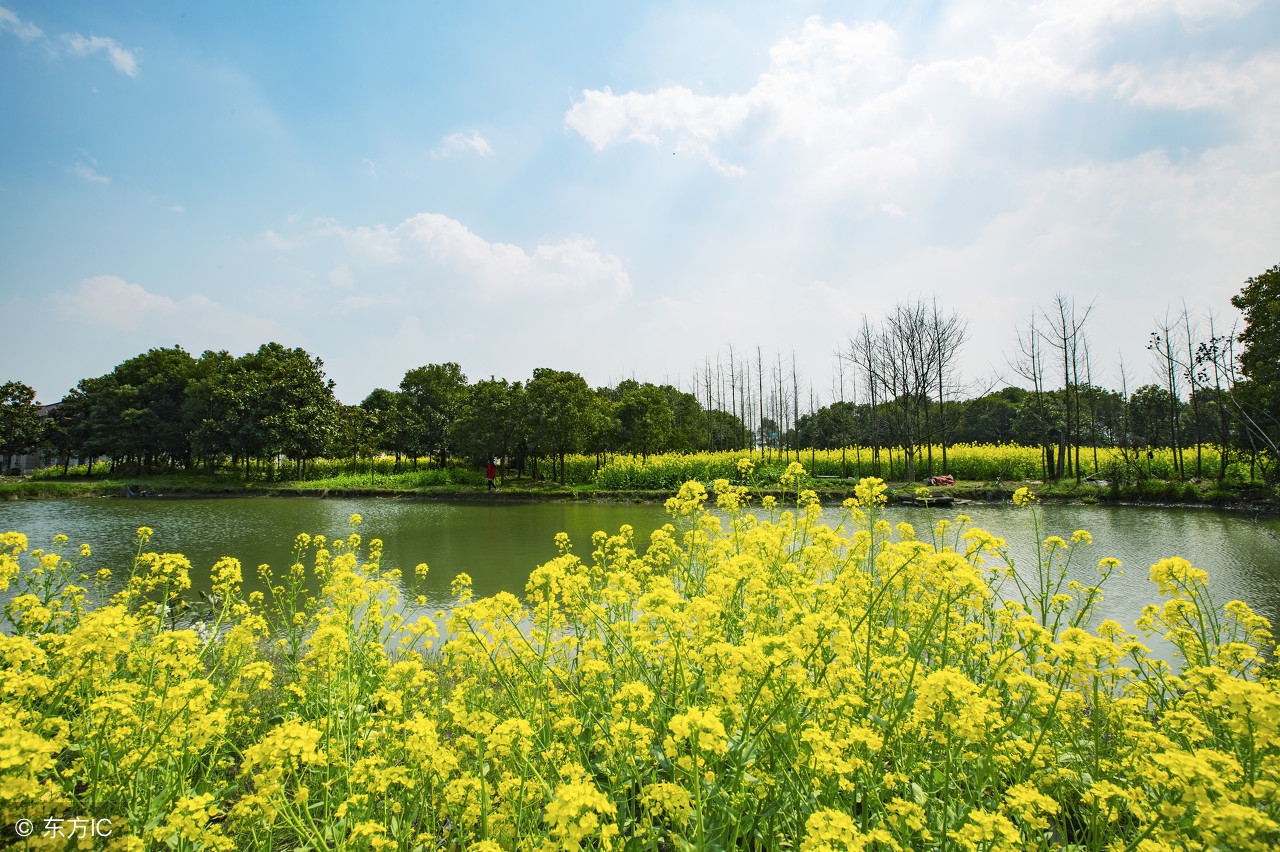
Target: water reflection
{"x": 499, "y": 544}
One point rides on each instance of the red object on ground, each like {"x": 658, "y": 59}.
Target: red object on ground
{"x": 943, "y": 480}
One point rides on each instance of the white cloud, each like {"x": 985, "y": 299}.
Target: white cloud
{"x": 1196, "y": 85}
{"x": 604, "y": 118}
{"x": 1136, "y": 235}
{"x": 1092, "y": 148}
{"x": 177, "y": 208}
{"x": 813, "y": 88}
{"x": 115, "y": 302}
{"x": 24, "y": 30}
{"x": 430, "y": 289}
{"x": 121, "y": 58}
{"x": 111, "y": 301}
{"x": 276, "y": 242}
{"x": 461, "y": 143}
{"x": 431, "y": 246}
{"x": 856, "y": 108}
{"x": 340, "y": 276}
{"x": 992, "y": 154}
{"x": 87, "y": 172}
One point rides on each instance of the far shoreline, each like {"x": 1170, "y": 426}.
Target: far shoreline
{"x": 1256, "y": 500}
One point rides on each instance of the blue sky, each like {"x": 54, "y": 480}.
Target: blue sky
{"x": 620, "y": 189}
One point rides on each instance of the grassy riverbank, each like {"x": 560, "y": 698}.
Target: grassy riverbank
{"x": 985, "y": 473}
{"x": 464, "y": 484}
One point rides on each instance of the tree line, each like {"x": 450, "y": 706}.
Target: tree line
{"x": 1214, "y": 386}
{"x": 273, "y": 411}
{"x": 895, "y": 387}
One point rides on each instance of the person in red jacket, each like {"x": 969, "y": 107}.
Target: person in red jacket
{"x": 491, "y": 473}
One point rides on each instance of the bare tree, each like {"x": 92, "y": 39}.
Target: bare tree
{"x": 948, "y": 333}
{"x": 780, "y": 406}
{"x": 1169, "y": 369}
{"x": 795, "y": 404}
{"x": 1029, "y": 364}
{"x": 911, "y": 359}
{"x": 1208, "y": 362}
{"x": 732, "y": 386}
{"x": 837, "y": 391}
{"x": 706, "y": 383}
{"x": 1190, "y": 374}
{"x": 1126, "y": 449}
{"x": 1093, "y": 404}
{"x": 760, "y": 396}
{"x": 1221, "y": 352}
{"x": 1064, "y": 333}
{"x": 865, "y": 354}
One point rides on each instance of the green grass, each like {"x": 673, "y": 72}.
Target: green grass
{"x": 622, "y": 478}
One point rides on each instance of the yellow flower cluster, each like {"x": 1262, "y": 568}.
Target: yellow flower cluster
{"x": 743, "y": 680}
{"x": 972, "y": 462}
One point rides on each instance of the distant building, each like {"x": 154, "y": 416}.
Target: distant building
{"x": 34, "y": 461}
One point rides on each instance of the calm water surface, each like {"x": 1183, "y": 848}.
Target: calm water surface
{"x": 498, "y": 544}
{"x": 1241, "y": 554}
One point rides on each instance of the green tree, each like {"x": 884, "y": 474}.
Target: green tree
{"x": 20, "y": 425}
{"x": 1259, "y": 301}
{"x": 56, "y": 439}
{"x": 86, "y": 412}
{"x": 217, "y": 408}
{"x": 384, "y": 405}
{"x": 399, "y": 428}
{"x": 646, "y": 420}
{"x": 275, "y": 401}
{"x": 560, "y": 405}
{"x": 435, "y": 395}
{"x": 1257, "y": 398}
{"x": 1148, "y": 416}
{"x": 490, "y": 422}
{"x": 989, "y": 419}
{"x": 830, "y": 427}
{"x": 356, "y": 431}
{"x": 604, "y": 430}
{"x": 292, "y": 402}
{"x": 143, "y": 416}
{"x": 689, "y": 421}
{"x": 1041, "y": 419}
{"x": 727, "y": 430}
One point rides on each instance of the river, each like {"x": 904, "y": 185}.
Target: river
{"x": 499, "y": 543}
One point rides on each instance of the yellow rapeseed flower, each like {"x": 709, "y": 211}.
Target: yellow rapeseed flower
{"x": 1023, "y": 497}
